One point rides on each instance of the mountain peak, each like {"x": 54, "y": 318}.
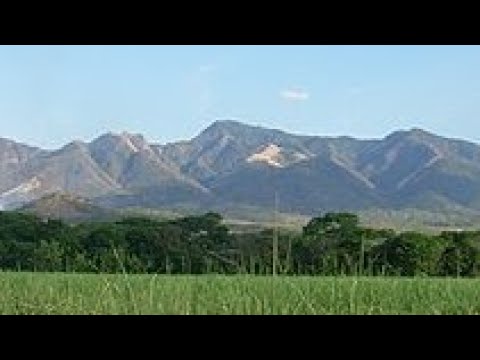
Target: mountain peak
{"x": 235, "y": 124}
{"x": 224, "y": 126}
{"x": 121, "y": 135}
{"x": 412, "y": 133}
{"x": 420, "y": 132}
{"x": 75, "y": 145}
{"x": 133, "y": 142}
{"x": 234, "y": 128}
{"x": 227, "y": 122}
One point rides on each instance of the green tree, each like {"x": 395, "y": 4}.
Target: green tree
{"x": 461, "y": 256}
{"x": 412, "y": 254}
{"x": 331, "y": 244}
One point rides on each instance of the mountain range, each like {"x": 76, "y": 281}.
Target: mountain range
{"x": 232, "y": 164}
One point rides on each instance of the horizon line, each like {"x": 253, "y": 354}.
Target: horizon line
{"x": 238, "y": 122}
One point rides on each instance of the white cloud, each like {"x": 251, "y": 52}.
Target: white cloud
{"x": 295, "y": 95}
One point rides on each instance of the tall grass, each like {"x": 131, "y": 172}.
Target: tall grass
{"x": 37, "y": 293}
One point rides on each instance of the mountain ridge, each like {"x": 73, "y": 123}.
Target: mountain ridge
{"x": 233, "y": 162}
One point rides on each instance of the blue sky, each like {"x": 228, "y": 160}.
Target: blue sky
{"x": 50, "y": 95}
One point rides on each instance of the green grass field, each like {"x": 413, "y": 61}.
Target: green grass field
{"x": 27, "y": 293}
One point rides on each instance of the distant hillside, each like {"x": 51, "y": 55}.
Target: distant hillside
{"x": 67, "y": 207}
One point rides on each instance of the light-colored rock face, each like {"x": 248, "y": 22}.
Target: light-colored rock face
{"x": 274, "y": 155}
{"x": 23, "y": 192}
{"x": 270, "y": 155}
{"x": 24, "y": 188}
{"x": 136, "y": 143}
{"x": 125, "y": 137}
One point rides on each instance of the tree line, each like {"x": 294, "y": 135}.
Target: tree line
{"x": 332, "y": 244}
